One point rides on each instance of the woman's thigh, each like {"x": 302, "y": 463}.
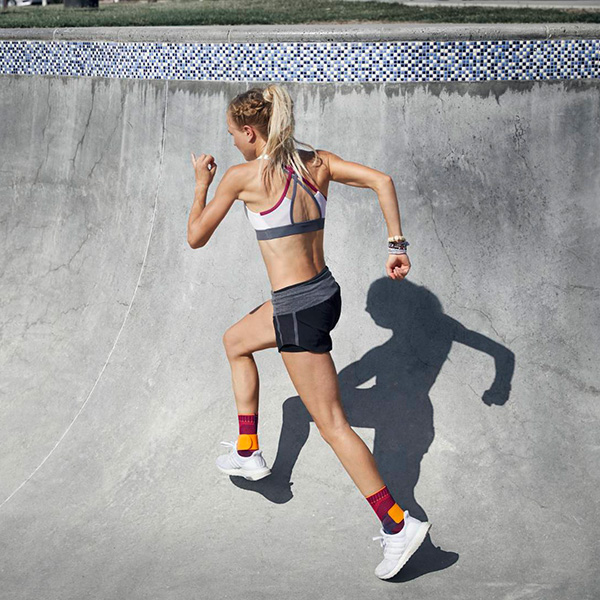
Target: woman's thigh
{"x": 315, "y": 379}
{"x": 253, "y": 332}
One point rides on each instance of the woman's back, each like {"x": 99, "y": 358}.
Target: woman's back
{"x": 289, "y": 221}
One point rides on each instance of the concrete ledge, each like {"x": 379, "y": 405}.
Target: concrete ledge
{"x": 333, "y": 32}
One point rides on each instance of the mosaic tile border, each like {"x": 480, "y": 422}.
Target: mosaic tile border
{"x": 401, "y": 61}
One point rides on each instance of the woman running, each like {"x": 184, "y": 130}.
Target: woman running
{"x": 284, "y": 191}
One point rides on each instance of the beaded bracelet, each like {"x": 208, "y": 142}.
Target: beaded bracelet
{"x": 397, "y": 244}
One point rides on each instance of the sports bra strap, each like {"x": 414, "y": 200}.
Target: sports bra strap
{"x": 302, "y": 183}
{"x": 294, "y": 189}
{"x": 308, "y": 190}
{"x": 297, "y": 183}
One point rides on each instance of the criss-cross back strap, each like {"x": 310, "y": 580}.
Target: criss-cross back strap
{"x": 302, "y": 184}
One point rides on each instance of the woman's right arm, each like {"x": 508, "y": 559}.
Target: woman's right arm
{"x": 358, "y": 175}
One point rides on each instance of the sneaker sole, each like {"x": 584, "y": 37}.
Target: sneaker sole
{"x": 254, "y": 476}
{"x": 412, "y": 548}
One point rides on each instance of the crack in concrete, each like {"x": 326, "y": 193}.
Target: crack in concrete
{"x": 486, "y": 316}
{"x": 520, "y": 140}
{"x": 118, "y": 121}
{"x": 438, "y": 234}
{"x": 68, "y": 263}
{"x": 525, "y": 495}
{"x": 85, "y": 128}
{"x": 47, "y": 121}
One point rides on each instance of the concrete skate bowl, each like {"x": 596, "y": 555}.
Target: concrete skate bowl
{"x": 474, "y": 381}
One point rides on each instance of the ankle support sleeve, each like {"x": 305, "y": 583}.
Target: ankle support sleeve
{"x": 247, "y": 441}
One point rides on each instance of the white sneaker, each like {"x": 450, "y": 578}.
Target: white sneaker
{"x": 251, "y": 467}
{"x": 399, "y": 547}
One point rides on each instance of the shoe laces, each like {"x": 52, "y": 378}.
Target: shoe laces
{"x": 381, "y": 540}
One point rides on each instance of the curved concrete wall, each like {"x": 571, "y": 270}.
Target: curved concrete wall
{"x": 115, "y": 389}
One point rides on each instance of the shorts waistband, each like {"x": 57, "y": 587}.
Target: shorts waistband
{"x": 317, "y": 277}
{"x": 304, "y": 294}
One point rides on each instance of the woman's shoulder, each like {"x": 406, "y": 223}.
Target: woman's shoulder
{"x": 316, "y": 158}
{"x": 242, "y": 172}
{"x": 323, "y": 162}
{"x": 317, "y": 162}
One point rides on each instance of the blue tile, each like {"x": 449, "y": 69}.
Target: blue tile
{"x": 304, "y": 61}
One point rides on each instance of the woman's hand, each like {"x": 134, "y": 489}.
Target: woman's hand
{"x": 397, "y": 266}
{"x": 205, "y": 168}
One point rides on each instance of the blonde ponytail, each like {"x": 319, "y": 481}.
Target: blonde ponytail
{"x": 271, "y": 111}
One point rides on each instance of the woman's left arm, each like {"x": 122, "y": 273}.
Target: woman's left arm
{"x": 351, "y": 173}
{"x": 204, "y": 219}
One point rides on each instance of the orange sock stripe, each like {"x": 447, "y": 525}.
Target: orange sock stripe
{"x": 396, "y": 513}
{"x": 369, "y": 495}
{"x": 247, "y": 441}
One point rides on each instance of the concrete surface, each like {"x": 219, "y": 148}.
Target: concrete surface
{"x": 322, "y": 32}
{"x": 115, "y": 389}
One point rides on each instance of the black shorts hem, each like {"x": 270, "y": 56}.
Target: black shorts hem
{"x": 292, "y": 348}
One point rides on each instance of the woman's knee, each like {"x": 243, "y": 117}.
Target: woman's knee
{"x": 333, "y": 432}
{"x": 232, "y": 342}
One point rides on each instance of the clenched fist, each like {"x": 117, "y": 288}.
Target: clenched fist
{"x": 397, "y": 266}
{"x": 205, "y": 168}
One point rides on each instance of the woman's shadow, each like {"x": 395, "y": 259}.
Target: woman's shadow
{"x": 397, "y": 406}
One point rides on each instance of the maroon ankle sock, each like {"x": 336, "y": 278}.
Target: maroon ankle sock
{"x": 391, "y": 515}
{"x": 248, "y": 424}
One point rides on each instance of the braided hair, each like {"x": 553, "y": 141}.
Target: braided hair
{"x": 270, "y": 111}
